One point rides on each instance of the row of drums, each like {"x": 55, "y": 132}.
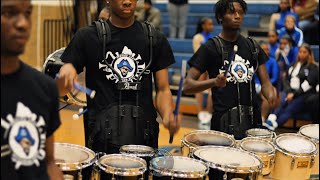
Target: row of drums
{"x": 206, "y": 154}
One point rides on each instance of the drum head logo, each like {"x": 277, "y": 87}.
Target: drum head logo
{"x": 26, "y": 136}
{"x": 127, "y": 64}
{"x": 240, "y": 70}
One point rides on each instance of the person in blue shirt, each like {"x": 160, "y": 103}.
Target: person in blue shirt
{"x": 292, "y": 30}
{"x": 277, "y": 19}
{"x": 273, "y": 72}
{"x": 273, "y": 43}
{"x": 203, "y": 33}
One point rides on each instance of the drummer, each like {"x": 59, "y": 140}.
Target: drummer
{"x": 106, "y": 130}
{"x": 29, "y": 103}
{"x": 231, "y": 94}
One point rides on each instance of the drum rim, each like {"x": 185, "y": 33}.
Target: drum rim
{"x": 76, "y": 165}
{"x": 306, "y": 126}
{"x": 123, "y": 171}
{"x": 140, "y": 154}
{"x": 271, "y": 153}
{"x": 181, "y": 174}
{"x": 294, "y": 153}
{"x": 189, "y": 144}
{"x": 229, "y": 168}
{"x": 260, "y": 129}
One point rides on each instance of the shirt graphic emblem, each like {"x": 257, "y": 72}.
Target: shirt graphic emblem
{"x": 26, "y": 136}
{"x": 127, "y": 64}
{"x": 240, "y": 70}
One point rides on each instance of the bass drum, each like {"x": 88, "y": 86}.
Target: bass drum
{"x": 52, "y": 66}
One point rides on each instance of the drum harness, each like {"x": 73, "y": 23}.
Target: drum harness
{"x": 104, "y": 35}
{"x": 240, "y": 108}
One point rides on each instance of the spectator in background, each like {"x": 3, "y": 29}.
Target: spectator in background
{"x": 277, "y": 19}
{"x": 203, "y": 33}
{"x": 305, "y": 10}
{"x": 151, "y": 14}
{"x": 300, "y": 84}
{"x": 178, "y": 13}
{"x": 311, "y": 31}
{"x": 273, "y": 43}
{"x": 273, "y": 72}
{"x": 105, "y": 13}
{"x": 290, "y": 29}
{"x": 286, "y": 54}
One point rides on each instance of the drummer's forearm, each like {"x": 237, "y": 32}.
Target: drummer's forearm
{"x": 53, "y": 170}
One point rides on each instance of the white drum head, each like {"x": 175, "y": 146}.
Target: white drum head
{"x": 70, "y": 157}
{"x": 122, "y": 165}
{"x": 178, "y": 166}
{"x": 228, "y": 159}
{"x": 311, "y": 131}
{"x": 205, "y": 137}
{"x": 257, "y": 145}
{"x": 137, "y": 150}
{"x": 295, "y": 144}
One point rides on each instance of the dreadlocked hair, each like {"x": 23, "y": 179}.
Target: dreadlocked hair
{"x": 222, "y": 6}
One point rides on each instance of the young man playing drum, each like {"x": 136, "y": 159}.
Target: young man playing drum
{"x": 235, "y": 107}
{"x": 122, "y": 111}
{"x": 29, "y": 103}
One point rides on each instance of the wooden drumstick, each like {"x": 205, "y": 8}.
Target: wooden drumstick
{"x": 81, "y": 112}
{"x": 233, "y": 55}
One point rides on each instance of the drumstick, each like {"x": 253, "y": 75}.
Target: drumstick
{"x": 81, "y": 88}
{"x": 176, "y": 111}
{"x": 81, "y": 112}
{"x": 233, "y": 55}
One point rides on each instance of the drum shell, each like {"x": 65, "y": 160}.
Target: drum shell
{"x": 267, "y": 158}
{"x": 154, "y": 177}
{"x": 293, "y": 166}
{"x": 315, "y": 169}
{"x": 218, "y": 174}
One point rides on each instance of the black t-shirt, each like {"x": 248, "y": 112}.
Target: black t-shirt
{"x": 29, "y": 115}
{"x": 179, "y": 2}
{"x": 241, "y": 70}
{"x": 128, "y": 53}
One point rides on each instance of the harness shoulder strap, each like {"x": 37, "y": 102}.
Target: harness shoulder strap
{"x": 149, "y": 31}
{"x": 254, "y": 48}
{"x": 221, "y": 48}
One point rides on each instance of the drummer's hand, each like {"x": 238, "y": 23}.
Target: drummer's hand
{"x": 173, "y": 125}
{"x": 67, "y": 77}
{"x": 54, "y": 172}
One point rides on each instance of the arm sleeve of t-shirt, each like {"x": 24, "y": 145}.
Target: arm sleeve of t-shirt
{"x": 54, "y": 117}
{"x": 74, "y": 52}
{"x": 200, "y": 59}
{"x": 163, "y": 55}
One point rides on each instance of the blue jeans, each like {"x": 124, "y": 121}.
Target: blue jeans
{"x": 288, "y": 110}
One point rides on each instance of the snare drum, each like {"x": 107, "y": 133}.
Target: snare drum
{"x": 263, "y": 149}
{"x": 177, "y": 167}
{"x": 52, "y": 66}
{"x": 119, "y": 166}
{"x": 261, "y": 133}
{"x": 203, "y": 138}
{"x": 312, "y": 132}
{"x": 295, "y": 156}
{"x": 72, "y": 159}
{"x": 229, "y": 163}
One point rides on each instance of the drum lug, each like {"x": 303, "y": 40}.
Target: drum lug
{"x": 225, "y": 176}
{"x": 292, "y": 163}
{"x": 312, "y": 161}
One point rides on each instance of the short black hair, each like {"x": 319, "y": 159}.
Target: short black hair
{"x": 222, "y": 6}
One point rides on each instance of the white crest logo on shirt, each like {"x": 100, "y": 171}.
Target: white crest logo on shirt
{"x": 26, "y": 136}
{"x": 240, "y": 70}
{"x": 127, "y": 64}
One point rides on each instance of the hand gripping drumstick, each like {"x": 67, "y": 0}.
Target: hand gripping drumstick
{"x": 81, "y": 112}
{"x": 86, "y": 90}
{"x": 233, "y": 55}
{"x": 176, "y": 110}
